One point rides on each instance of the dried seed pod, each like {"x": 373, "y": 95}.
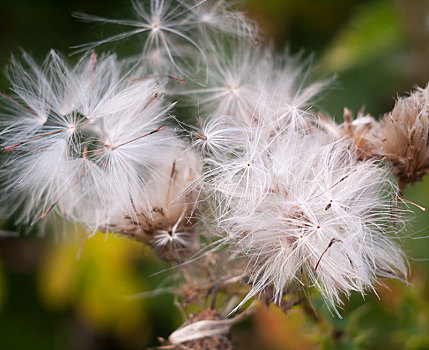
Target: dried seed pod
{"x": 405, "y": 137}
{"x": 205, "y": 330}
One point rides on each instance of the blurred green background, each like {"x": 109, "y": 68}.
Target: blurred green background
{"x": 50, "y": 299}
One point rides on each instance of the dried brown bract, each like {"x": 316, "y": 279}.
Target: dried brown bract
{"x": 404, "y": 140}
{"x": 362, "y": 131}
{"x": 401, "y": 137}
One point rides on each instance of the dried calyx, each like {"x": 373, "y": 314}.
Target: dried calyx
{"x": 401, "y": 137}
{"x": 405, "y": 137}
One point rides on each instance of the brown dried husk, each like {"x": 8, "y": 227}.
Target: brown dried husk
{"x": 401, "y": 137}
{"x": 362, "y": 131}
{"x": 404, "y": 141}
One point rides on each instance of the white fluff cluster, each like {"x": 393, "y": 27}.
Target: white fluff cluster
{"x": 83, "y": 141}
{"x": 90, "y": 143}
{"x": 253, "y": 83}
{"x": 302, "y": 209}
{"x": 305, "y": 212}
{"x": 176, "y": 33}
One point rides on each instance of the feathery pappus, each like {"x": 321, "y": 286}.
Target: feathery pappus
{"x": 308, "y": 213}
{"x": 249, "y": 83}
{"x": 87, "y": 142}
{"x": 283, "y": 197}
{"x": 174, "y": 32}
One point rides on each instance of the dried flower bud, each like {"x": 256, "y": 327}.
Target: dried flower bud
{"x": 404, "y": 140}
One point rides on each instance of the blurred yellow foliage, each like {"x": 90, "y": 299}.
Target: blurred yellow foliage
{"x": 97, "y": 284}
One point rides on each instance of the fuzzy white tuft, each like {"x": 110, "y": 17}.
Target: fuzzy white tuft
{"x": 83, "y": 141}
{"x": 249, "y": 83}
{"x": 175, "y": 32}
{"x": 90, "y": 143}
{"x": 325, "y": 221}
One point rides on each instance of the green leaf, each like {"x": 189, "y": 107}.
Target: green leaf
{"x": 375, "y": 28}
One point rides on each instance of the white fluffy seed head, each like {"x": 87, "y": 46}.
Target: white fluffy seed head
{"x": 165, "y": 218}
{"x": 84, "y": 141}
{"x": 175, "y": 32}
{"x": 89, "y": 143}
{"x": 218, "y": 136}
{"x": 218, "y": 17}
{"x": 255, "y": 87}
{"x": 324, "y": 220}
